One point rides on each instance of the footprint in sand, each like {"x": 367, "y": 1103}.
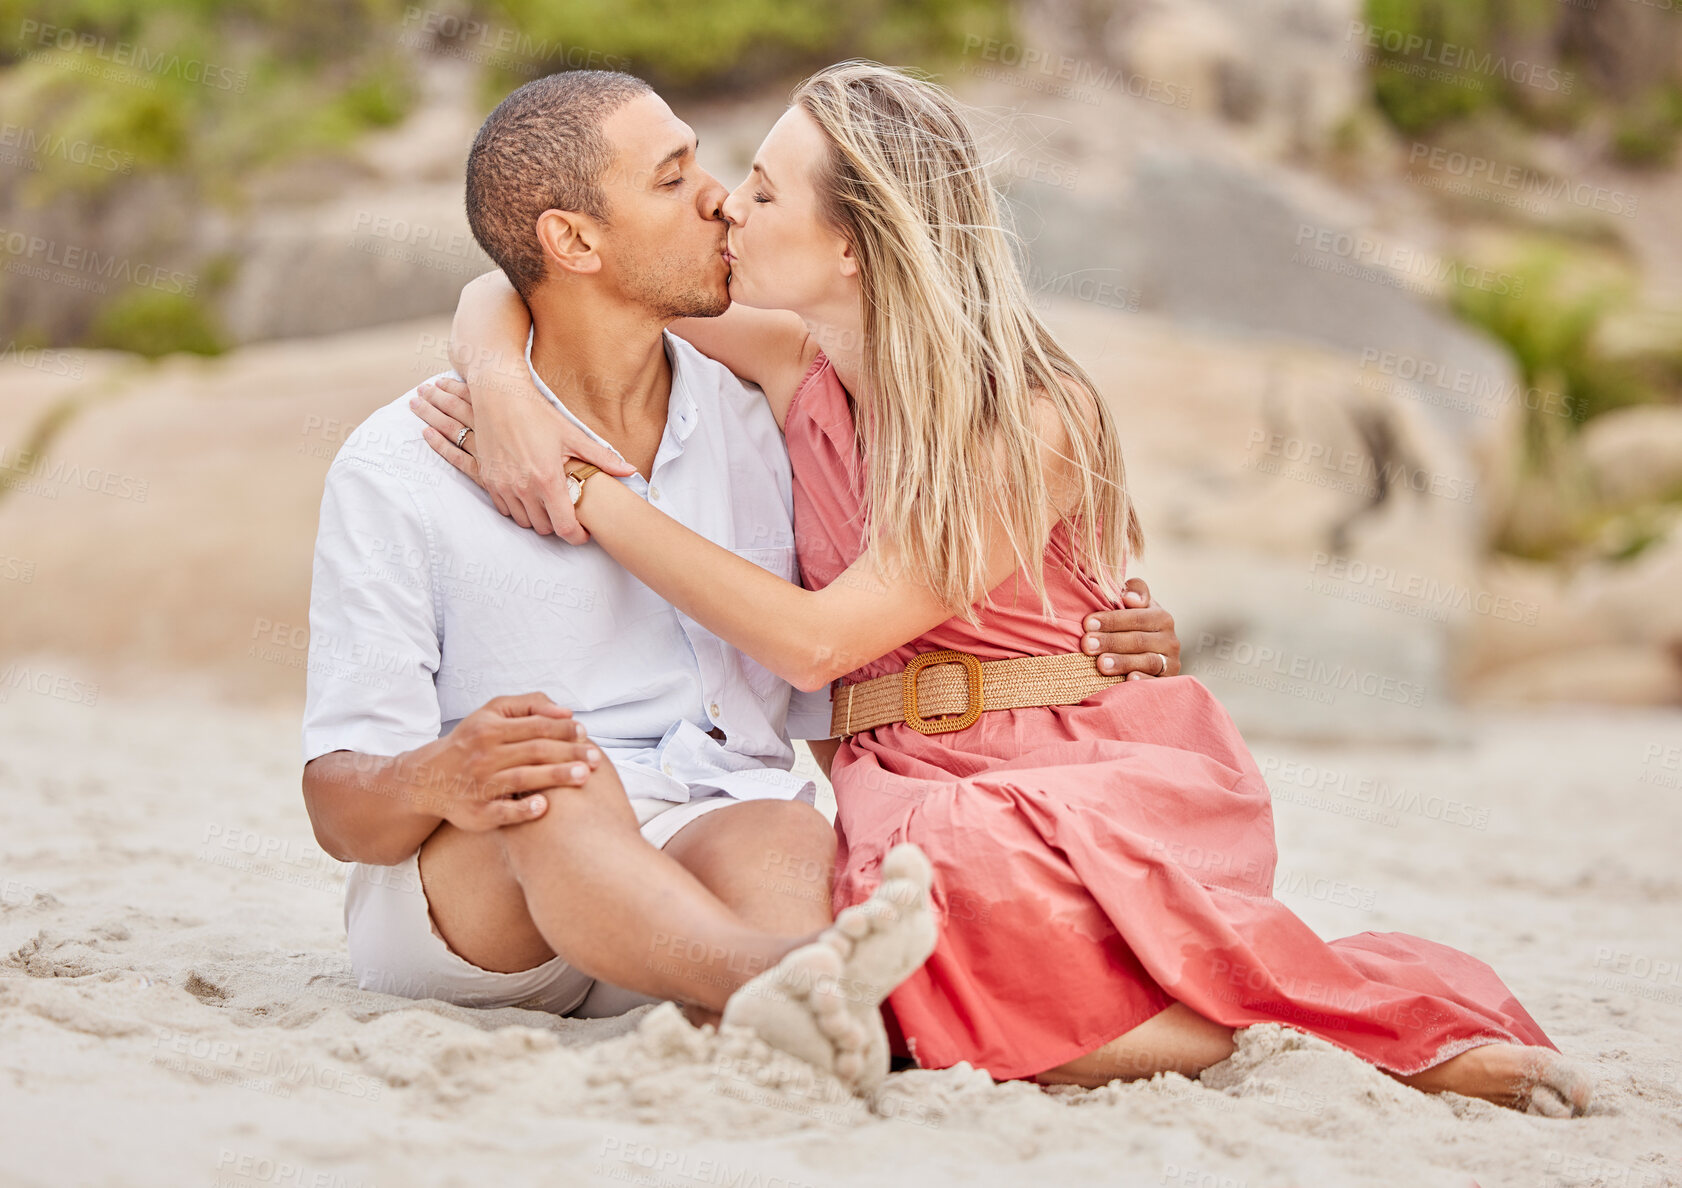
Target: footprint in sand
{"x": 823, "y": 1001}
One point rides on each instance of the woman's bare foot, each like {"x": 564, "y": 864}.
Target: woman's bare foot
{"x": 823, "y": 1001}
{"x": 1535, "y": 1080}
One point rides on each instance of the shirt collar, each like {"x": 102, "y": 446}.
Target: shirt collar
{"x": 681, "y": 410}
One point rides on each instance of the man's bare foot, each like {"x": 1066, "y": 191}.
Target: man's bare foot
{"x": 823, "y": 1001}
{"x": 1535, "y": 1080}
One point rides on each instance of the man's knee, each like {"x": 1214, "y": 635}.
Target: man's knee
{"x": 795, "y": 839}
{"x": 807, "y": 827}
{"x": 598, "y": 802}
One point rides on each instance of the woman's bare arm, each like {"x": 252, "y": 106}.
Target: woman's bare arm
{"x": 807, "y": 637}
{"x": 523, "y": 443}
{"x": 811, "y": 637}
{"x": 768, "y": 347}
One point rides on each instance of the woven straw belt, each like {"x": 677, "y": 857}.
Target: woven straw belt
{"x": 956, "y": 683}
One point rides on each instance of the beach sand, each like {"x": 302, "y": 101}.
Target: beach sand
{"x": 176, "y": 1005}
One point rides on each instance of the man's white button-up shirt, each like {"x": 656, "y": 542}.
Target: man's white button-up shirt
{"x": 427, "y": 603}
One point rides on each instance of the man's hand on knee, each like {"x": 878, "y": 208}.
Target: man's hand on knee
{"x": 494, "y": 767}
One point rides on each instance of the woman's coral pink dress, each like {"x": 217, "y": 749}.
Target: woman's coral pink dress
{"x": 1096, "y": 862}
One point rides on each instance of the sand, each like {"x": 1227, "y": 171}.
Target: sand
{"x": 176, "y": 1006}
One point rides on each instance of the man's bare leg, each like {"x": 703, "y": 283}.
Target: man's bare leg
{"x": 769, "y": 861}
{"x": 581, "y": 882}
{"x": 599, "y": 896}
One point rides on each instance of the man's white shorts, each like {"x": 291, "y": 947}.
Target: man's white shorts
{"x": 395, "y": 949}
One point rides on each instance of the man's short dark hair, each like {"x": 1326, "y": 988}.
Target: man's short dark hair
{"x": 542, "y": 149}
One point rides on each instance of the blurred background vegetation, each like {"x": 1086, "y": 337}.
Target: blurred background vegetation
{"x": 1625, "y": 101}
{"x": 290, "y": 80}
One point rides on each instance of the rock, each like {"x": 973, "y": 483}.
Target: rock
{"x": 1193, "y": 49}
{"x": 1318, "y": 581}
{"x": 392, "y": 246}
{"x": 366, "y": 258}
{"x": 1640, "y": 599}
{"x": 1254, "y": 252}
{"x": 1612, "y": 634}
{"x": 171, "y": 526}
{"x": 1532, "y": 614}
{"x": 1612, "y": 674}
{"x": 1629, "y": 48}
{"x": 1635, "y": 454}
{"x": 1276, "y": 66}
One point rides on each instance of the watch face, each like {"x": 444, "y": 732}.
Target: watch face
{"x": 574, "y": 489}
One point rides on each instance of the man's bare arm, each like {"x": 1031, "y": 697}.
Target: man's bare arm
{"x": 367, "y": 808}
{"x": 490, "y": 771}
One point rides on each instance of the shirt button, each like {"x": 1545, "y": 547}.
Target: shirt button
{"x": 666, "y": 767}
{"x": 713, "y": 709}
{"x": 654, "y": 492}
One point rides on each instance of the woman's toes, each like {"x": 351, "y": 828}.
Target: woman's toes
{"x": 1547, "y": 1103}
{"x": 1563, "y": 1090}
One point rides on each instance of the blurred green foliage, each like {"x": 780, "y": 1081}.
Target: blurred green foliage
{"x": 1554, "y": 327}
{"x": 1499, "y": 70}
{"x": 685, "y": 48}
{"x": 209, "y": 88}
{"x": 1648, "y": 130}
{"x": 1413, "y": 102}
{"x": 151, "y": 323}
{"x": 205, "y": 93}
{"x": 1443, "y": 60}
{"x": 202, "y": 92}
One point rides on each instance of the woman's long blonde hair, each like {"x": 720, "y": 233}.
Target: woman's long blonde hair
{"x": 955, "y": 356}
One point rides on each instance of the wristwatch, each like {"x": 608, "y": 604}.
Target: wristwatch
{"x": 575, "y": 481}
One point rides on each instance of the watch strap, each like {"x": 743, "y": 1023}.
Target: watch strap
{"x": 575, "y": 481}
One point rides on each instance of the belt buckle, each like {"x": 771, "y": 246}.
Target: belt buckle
{"x": 972, "y": 672}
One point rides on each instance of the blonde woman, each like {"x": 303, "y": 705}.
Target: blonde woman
{"x": 1103, "y": 848}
